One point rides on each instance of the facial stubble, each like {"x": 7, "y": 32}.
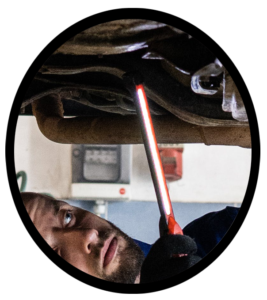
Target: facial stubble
{"x": 130, "y": 258}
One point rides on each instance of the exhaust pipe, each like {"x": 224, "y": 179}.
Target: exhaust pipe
{"x": 119, "y": 129}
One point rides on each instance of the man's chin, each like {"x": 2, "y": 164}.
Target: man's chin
{"x": 129, "y": 259}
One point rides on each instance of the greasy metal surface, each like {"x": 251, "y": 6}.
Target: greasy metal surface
{"x": 86, "y": 71}
{"x": 160, "y": 87}
{"x": 126, "y": 129}
{"x": 186, "y": 54}
{"x": 117, "y": 37}
{"x": 232, "y": 101}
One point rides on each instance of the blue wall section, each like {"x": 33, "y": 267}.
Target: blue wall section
{"x": 139, "y": 219}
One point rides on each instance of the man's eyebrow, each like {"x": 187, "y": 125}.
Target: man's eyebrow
{"x": 56, "y": 207}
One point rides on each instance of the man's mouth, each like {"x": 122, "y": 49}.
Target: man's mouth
{"x": 109, "y": 251}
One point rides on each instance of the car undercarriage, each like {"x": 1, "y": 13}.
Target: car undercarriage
{"x": 192, "y": 97}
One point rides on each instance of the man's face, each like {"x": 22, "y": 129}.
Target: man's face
{"x": 91, "y": 244}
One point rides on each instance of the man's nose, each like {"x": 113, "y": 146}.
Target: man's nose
{"x": 90, "y": 238}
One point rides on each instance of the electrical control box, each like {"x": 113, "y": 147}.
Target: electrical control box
{"x": 101, "y": 172}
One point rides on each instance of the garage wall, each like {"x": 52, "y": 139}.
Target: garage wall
{"x": 47, "y": 164}
{"x": 210, "y": 174}
{"x": 217, "y": 174}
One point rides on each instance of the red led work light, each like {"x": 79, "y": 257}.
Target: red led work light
{"x": 155, "y": 161}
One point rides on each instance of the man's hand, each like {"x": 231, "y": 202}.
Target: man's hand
{"x": 169, "y": 256}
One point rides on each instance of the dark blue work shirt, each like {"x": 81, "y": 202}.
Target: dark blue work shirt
{"x": 144, "y": 246}
{"x": 207, "y": 231}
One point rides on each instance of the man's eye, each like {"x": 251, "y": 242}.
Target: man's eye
{"x": 67, "y": 218}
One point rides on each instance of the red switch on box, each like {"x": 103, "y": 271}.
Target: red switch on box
{"x": 172, "y": 162}
{"x": 122, "y": 191}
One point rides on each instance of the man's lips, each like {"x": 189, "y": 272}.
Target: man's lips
{"x": 109, "y": 251}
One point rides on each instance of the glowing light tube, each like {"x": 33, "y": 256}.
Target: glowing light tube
{"x": 154, "y": 151}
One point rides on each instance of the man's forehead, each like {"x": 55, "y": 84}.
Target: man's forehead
{"x": 31, "y": 200}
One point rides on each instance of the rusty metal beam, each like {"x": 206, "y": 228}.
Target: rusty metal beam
{"x": 126, "y": 129}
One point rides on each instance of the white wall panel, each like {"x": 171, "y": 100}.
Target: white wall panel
{"x": 210, "y": 173}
